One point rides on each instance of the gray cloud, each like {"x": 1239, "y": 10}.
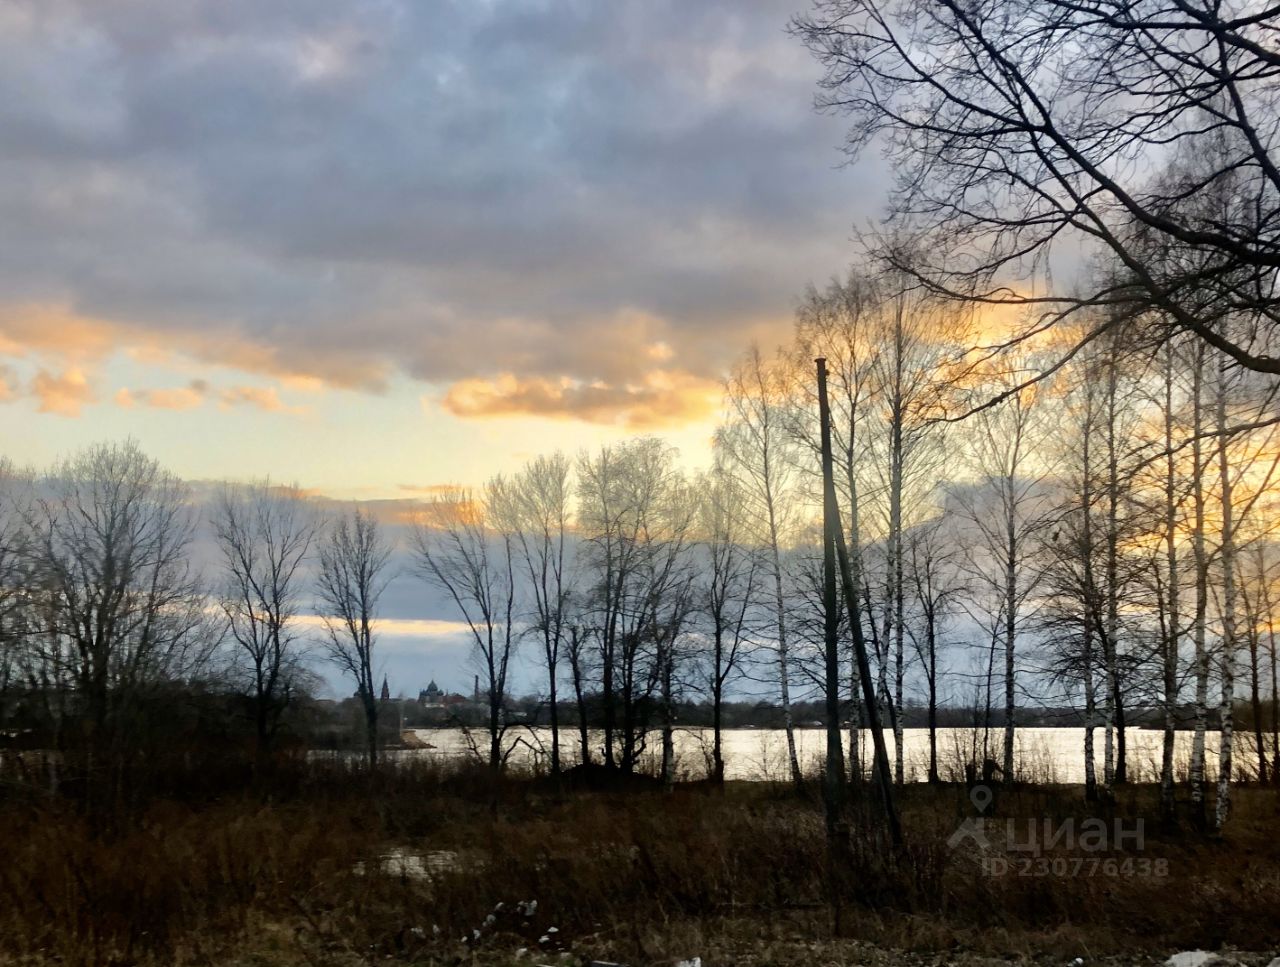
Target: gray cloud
{"x": 457, "y": 190}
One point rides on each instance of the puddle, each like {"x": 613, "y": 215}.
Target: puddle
{"x": 414, "y": 865}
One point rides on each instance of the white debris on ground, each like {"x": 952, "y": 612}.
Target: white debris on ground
{"x": 1199, "y": 958}
{"x": 413, "y": 865}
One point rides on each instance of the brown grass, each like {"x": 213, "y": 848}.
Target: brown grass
{"x": 639, "y": 877}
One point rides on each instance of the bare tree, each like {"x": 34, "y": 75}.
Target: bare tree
{"x": 1247, "y": 466}
{"x": 1015, "y": 127}
{"x": 840, "y": 324}
{"x": 1168, "y": 574}
{"x": 264, "y": 535}
{"x": 918, "y": 338}
{"x": 1007, "y": 509}
{"x": 1116, "y": 414}
{"x": 611, "y": 524}
{"x": 1268, "y": 600}
{"x": 1257, "y": 574}
{"x": 464, "y": 546}
{"x": 1228, "y": 563}
{"x": 935, "y": 584}
{"x": 1072, "y": 604}
{"x": 354, "y": 559}
{"x": 635, "y": 514}
{"x": 124, "y": 610}
{"x": 726, "y": 593}
{"x": 758, "y": 447}
{"x": 14, "y": 563}
{"x": 1201, "y": 563}
{"x": 535, "y": 508}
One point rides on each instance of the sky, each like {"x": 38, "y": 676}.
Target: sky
{"x": 377, "y": 247}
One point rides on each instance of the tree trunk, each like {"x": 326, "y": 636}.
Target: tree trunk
{"x": 555, "y": 725}
{"x": 1228, "y": 564}
{"x": 371, "y": 728}
{"x": 495, "y": 730}
{"x": 933, "y": 705}
{"x": 1275, "y": 699}
{"x": 1114, "y": 765}
{"x": 1088, "y": 613}
{"x": 1168, "y": 804}
{"x": 896, "y": 596}
{"x": 718, "y": 676}
{"x": 1122, "y": 772}
{"x": 668, "y": 725}
{"x": 855, "y": 568}
{"x": 784, "y": 665}
{"x": 606, "y": 685}
{"x": 1196, "y": 777}
{"x": 1090, "y": 717}
{"x": 575, "y": 668}
{"x": 1255, "y": 701}
{"x": 856, "y": 721}
{"x": 1010, "y": 619}
{"x": 717, "y": 746}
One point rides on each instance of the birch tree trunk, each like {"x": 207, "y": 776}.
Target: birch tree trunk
{"x": 1113, "y": 766}
{"x": 1172, "y": 579}
{"x": 784, "y": 663}
{"x": 1196, "y": 777}
{"x": 1227, "y": 555}
{"x": 896, "y": 602}
{"x": 1086, "y": 657}
{"x": 1090, "y": 718}
{"x": 1010, "y": 630}
{"x": 1255, "y": 700}
{"x": 1275, "y": 693}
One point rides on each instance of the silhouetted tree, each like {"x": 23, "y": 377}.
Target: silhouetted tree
{"x": 354, "y": 557}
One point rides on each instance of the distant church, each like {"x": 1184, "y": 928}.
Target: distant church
{"x": 434, "y": 697}
{"x": 431, "y": 696}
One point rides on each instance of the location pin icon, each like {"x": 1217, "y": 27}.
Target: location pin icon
{"x": 981, "y": 798}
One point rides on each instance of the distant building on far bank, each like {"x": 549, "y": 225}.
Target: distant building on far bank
{"x": 437, "y": 704}
{"x": 431, "y": 696}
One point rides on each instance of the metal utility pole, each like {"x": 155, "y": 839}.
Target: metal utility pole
{"x": 834, "y": 535}
{"x": 833, "y": 785}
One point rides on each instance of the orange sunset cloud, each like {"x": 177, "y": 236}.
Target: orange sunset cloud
{"x": 662, "y": 399}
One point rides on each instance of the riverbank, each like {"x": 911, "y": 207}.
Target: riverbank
{"x": 417, "y": 866}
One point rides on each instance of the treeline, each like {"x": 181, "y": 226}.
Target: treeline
{"x": 1094, "y": 533}
{"x": 1098, "y": 538}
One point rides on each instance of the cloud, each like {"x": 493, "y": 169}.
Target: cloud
{"x": 198, "y": 392}
{"x": 429, "y": 490}
{"x": 62, "y": 394}
{"x": 262, "y": 397}
{"x": 9, "y": 389}
{"x": 399, "y": 627}
{"x": 179, "y": 398}
{"x": 661, "y": 399}
{"x": 53, "y": 330}
{"x": 340, "y": 194}
{"x": 57, "y": 331}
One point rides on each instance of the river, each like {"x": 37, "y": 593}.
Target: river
{"x": 1045, "y": 755}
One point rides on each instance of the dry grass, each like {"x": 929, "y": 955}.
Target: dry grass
{"x": 641, "y": 876}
